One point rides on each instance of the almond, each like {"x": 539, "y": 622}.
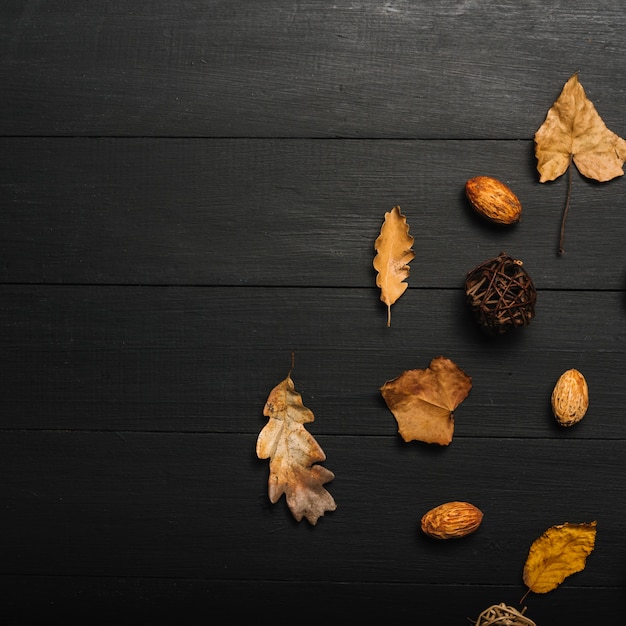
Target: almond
{"x": 570, "y": 398}
{"x": 451, "y": 520}
{"x": 493, "y": 200}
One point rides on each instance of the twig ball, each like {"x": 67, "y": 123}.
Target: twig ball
{"x": 503, "y": 615}
{"x": 501, "y": 294}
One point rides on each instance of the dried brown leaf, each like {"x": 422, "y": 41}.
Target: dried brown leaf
{"x": 560, "y": 552}
{"x": 394, "y": 253}
{"x": 423, "y": 400}
{"x": 294, "y": 454}
{"x": 573, "y": 130}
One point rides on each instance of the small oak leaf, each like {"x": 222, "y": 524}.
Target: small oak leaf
{"x": 294, "y": 455}
{"x": 560, "y": 552}
{"x": 394, "y": 253}
{"x": 423, "y": 400}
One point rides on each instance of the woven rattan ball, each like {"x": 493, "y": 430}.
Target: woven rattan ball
{"x": 503, "y": 615}
{"x": 501, "y": 294}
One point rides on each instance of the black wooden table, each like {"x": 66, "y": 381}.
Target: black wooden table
{"x": 190, "y": 194}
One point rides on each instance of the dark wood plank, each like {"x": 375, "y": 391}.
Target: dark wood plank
{"x": 288, "y": 213}
{"x": 190, "y": 195}
{"x": 367, "y": 69}
{"x": 132, "y": 601}
{"x": 196, "y": 506}
{"x": 205, "y": 359}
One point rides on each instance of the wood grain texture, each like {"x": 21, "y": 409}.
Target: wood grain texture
{"x": 452, "y": 69}
{"x": 203, "y": 512}
{"x": 138, "y": 600}
{"x": 205, "y": 359}
{"x": 190, "y": 195}
{"x": 289, "y": 213}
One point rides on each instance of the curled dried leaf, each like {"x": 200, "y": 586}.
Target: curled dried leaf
{"x": 423, "y": 400}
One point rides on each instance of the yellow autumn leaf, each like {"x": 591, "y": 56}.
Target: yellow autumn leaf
{"x": 294, "y": 455}
{"x": 560, "y": 552}
{"x": 394, "y": 253}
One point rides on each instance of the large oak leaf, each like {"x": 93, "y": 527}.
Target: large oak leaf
{"x": 394, "y": 253}
{"x": 573, "y": 130}
{"x": 560, "y": 552}
{"x": 423, "y": 400}
{"x": 294, "y": 454}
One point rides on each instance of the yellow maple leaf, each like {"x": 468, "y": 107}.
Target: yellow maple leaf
{"x": 294, "y": 455}
{"x": 560, "y": 552}
{"x": 394, "y": 253}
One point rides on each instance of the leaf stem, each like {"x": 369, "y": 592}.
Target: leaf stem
{"x": 566, "y": 208}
